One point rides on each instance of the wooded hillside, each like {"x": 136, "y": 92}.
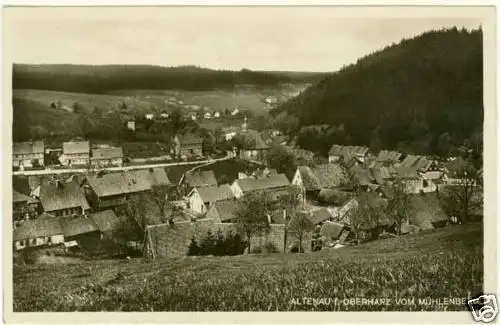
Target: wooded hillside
{"x": 423, "y": 95}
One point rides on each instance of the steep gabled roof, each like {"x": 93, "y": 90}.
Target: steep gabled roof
{"x": 118, "y": 183}
{"x": 105, "y": 220}
{"x": 250, "y": 140}
{"x": 41, "y": 227}
{"x": 226, "y": 209}
{"x": 78, "y": 226}
{"x": 34, "y": 147}
{"x": 155, "y": 176}
{"x": 215, "y": 194}
{"x": 55, "y": 197}
{"x": 267, "y": 183}
{"x": 322, "y": 176}
{"x": 389, "y": 156}
{"x": 201, "y": 178}
{"x": 76, "y": 147}
{"x": 189, "y": 139}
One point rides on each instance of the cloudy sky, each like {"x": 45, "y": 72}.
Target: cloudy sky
{"x": 272, "y": 38}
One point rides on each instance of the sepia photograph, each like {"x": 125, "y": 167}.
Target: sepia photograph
{"x": 250, "y": 159}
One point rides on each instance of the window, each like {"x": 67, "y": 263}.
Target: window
{"x": 49, "y": 240}
{"x": 33, "y": 241}
{"x": 426, "y": 183}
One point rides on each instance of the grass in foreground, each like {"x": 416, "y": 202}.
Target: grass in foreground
{"x": 444, "y": 263}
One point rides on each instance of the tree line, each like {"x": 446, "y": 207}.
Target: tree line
{"x": 102, "y": 79}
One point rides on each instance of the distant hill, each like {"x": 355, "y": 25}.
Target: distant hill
{"x": 105, "y": 78}
{"x": 424, "y": 95}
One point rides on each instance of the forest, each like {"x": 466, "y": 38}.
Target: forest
{"x": 422, "y": 95}
{"x": 106, "y": 78}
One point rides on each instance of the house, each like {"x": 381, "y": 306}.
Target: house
{"x": 275, "y": 185}
{"x": 223, "y": 211}
{"x": 250, "y": 145}
{"x": 346, "y": 153}
{"x": 197, "y": 178}
{"x": 200, "y": 199}
{"x": 272, "y": 137}
{"x": 149, "y": 116}
{"x": 230, "y": 132}
{"x": 23, "y": 206}
{"x": 188, "y": 145}
{"x": 207, "y": 115}
{"x": 131, "y": 125}
{"x": 28, "y": 154}
{"x": 106, "y": 191}
{"x": 75, "y": 153}
{"x": 38, "y": 232}
{"x": 103, "y": 157}
{"x": 164, "y": 115}
{"x": 193, "y": 116}
{"x": 235, "y": 112}
{"x": 311, "y": 180}
{"x": 62, "y": 199}
{"x": 217, "y": 114}
{"x": 389, "y": 157}
{"x": 413, "y": 181}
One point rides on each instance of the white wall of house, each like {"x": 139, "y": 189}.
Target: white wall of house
{"x": 229, "y": 135}
{"x": 333, "y": 158}
{"x": 107, "y": 162}
{"x": 76, "y": 159}
{"x": 238, "y": 193}
{"x": 196, "y": 203}
{"x": 34, "y": 242}
{"x": 26, "y": 160}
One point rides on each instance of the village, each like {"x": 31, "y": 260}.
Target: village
{"x": 350, "y": 197}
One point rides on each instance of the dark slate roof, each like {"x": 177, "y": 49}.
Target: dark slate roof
{"x": 118, "y": 183}
{"x": 78, "y": 226}
{"x": 250, "y": 140}
{"x": 331, "y": 229}
{"x": 105, "y": 220}
{"x": 41, "y": 227}
{"x": 35, "y": 147}
{"x": 67, "y": 195}
{"x": 319, "y": 215}
{"x": 258, "y": 184}
{"x": 215, "y": 194}
{"x": 107, "y": 153}
{"x": 201, "y": 178}
{"x": 76, "y": 147}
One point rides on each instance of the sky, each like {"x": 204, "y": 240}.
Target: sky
{"x": 257, "y": 38}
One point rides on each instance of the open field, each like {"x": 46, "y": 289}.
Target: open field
{"x": 443, "y": 263}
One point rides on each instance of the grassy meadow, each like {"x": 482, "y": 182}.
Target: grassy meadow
{"x": 438, "y": 264}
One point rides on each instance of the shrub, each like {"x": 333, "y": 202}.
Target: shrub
{"x": 270, "y": 248}
{"x": 218, "y": 245}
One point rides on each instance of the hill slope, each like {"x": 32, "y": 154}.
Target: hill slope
{"x": 422, "y": 95}
{"x": 105, "y": 78}
{"x": 440, "y": 264}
